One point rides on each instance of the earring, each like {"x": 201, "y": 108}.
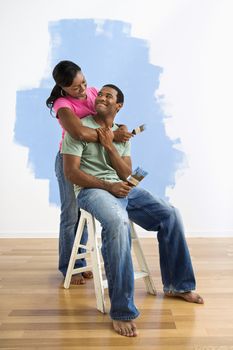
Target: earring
{"x": 62, "y": 93}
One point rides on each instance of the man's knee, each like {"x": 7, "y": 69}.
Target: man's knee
{"x": 173, "y": 219}
{"x": 117, "y": 220}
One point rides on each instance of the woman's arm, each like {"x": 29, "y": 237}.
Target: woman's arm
{"x": 73, "y": 125}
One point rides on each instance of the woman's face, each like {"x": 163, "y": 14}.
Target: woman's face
{"x": 78, "y": 87}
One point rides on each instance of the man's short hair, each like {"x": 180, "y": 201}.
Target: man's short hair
{"x": 120, "y": 95}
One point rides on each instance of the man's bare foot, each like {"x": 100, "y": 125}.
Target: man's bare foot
{"x": 125, "y": 328}
{"x": 191, "y": 297}
{"x": 79, "y": 278}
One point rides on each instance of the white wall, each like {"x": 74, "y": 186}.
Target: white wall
{"x": 192, "y": 41}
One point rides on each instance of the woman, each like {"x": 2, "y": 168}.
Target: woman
{"x": 72, "y": 100}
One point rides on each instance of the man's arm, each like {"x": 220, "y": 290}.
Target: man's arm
{"x": 122, "y": 165}
{"x": 73, "y": 125}
{"x": 71, "y": 165}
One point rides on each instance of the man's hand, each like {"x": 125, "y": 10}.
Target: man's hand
{"x": 119, "y": 189}
{"x": 122, "y": 134}
{"x": 105, "y": 137}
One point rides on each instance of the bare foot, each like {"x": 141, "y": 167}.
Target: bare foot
{"x": 125, "y": 328}
{"x": 88, "y": 275}
{"x": 79, "y": 278}
{"x": 191, "y": 297}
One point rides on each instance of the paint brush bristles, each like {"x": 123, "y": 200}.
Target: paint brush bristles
{"x": 139, "y": 129}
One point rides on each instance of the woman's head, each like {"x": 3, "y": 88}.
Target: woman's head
{"x": 64, "y": 73}
{"x": 69, "y": 80}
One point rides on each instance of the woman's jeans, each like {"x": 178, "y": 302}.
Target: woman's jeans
{"x": 69, "y": 219}
{"x": 152, "y": 214}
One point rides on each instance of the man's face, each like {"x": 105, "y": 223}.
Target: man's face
{"x": 106, "y": 101}
{"x": 78, "y": 87}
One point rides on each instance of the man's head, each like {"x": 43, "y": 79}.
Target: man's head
{"x": 120, "y": 95}
{"x": 109, "y": 100}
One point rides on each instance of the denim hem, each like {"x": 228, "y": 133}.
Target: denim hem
{"x": 169, "y": 290}
{"x": 125, "y": 318}
{"x": 63, "y": 272}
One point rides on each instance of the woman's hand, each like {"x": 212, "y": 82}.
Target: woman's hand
{"x": 105, "y": 137}
{"x": 122, "y": 134}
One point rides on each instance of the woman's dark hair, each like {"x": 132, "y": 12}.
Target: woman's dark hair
{"x": 63, "y": 74}
{"x": 120, "y": 95}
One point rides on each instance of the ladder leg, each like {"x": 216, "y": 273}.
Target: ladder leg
{"x": 96, "y": 265}
{"x": 142, "y": 261}
{"x": 74, "y": 251}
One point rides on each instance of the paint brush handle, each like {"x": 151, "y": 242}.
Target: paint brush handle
{"x": 137, "y": 175}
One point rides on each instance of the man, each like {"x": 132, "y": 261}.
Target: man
{"x": 99, "y": 172}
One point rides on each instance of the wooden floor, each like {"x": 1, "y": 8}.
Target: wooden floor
{"x": 37, "y": 313}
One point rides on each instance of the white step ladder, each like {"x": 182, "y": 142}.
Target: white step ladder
{"x": 92, "y": 251}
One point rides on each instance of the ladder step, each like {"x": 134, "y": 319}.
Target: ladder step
{"x": 140, "y": 274}
{"x": 105, "y": 284}
{"x": 82, "y": 269}
{"x": 84, "y": 247}
{"x": 82, "y": 255}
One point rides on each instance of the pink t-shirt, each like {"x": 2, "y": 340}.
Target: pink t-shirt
{"x": 81, "y": 108}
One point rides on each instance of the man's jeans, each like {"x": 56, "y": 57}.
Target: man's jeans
{"x": 152, "y": 214}
{"x": 68, "y": 219}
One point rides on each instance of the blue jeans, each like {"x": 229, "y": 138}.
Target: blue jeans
{"x": 69, "y": 219}
{"x": 153, "y": 214}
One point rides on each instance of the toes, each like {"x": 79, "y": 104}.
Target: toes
{"x": 78, "y": 283}
{"x": 131, "y": 333}
{"x": 77, "y": 280}
{"x": 194, "y": 298}
{"x": 134, "y": 330}
{"x": 87, "y": 274}
{"x": 123, "y": 331}
{"x": 119, "y": 331}
{"x": 190, "y": 297}
{"x": 200, "y": 300}
{"x": 126, "y": 329}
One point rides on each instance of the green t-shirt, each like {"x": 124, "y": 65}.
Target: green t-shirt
{"x": 94, "y": 159}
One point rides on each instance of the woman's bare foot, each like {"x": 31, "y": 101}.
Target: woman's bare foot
{"x": 191, "y": 297}
{"x": 88, "y": 275}
{"x": 79, "y": 278}
{"x": 125, "y": 328}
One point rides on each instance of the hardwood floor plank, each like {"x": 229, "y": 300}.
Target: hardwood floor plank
{"x": 144, "y": 333}
{"x": 79, "y": 312}
{"x": 116, "y": 341}
{"x": 79, "y": 326}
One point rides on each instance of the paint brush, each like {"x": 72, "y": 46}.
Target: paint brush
{"x": 139, "y": 129}
{"x": 137, "y": 175}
